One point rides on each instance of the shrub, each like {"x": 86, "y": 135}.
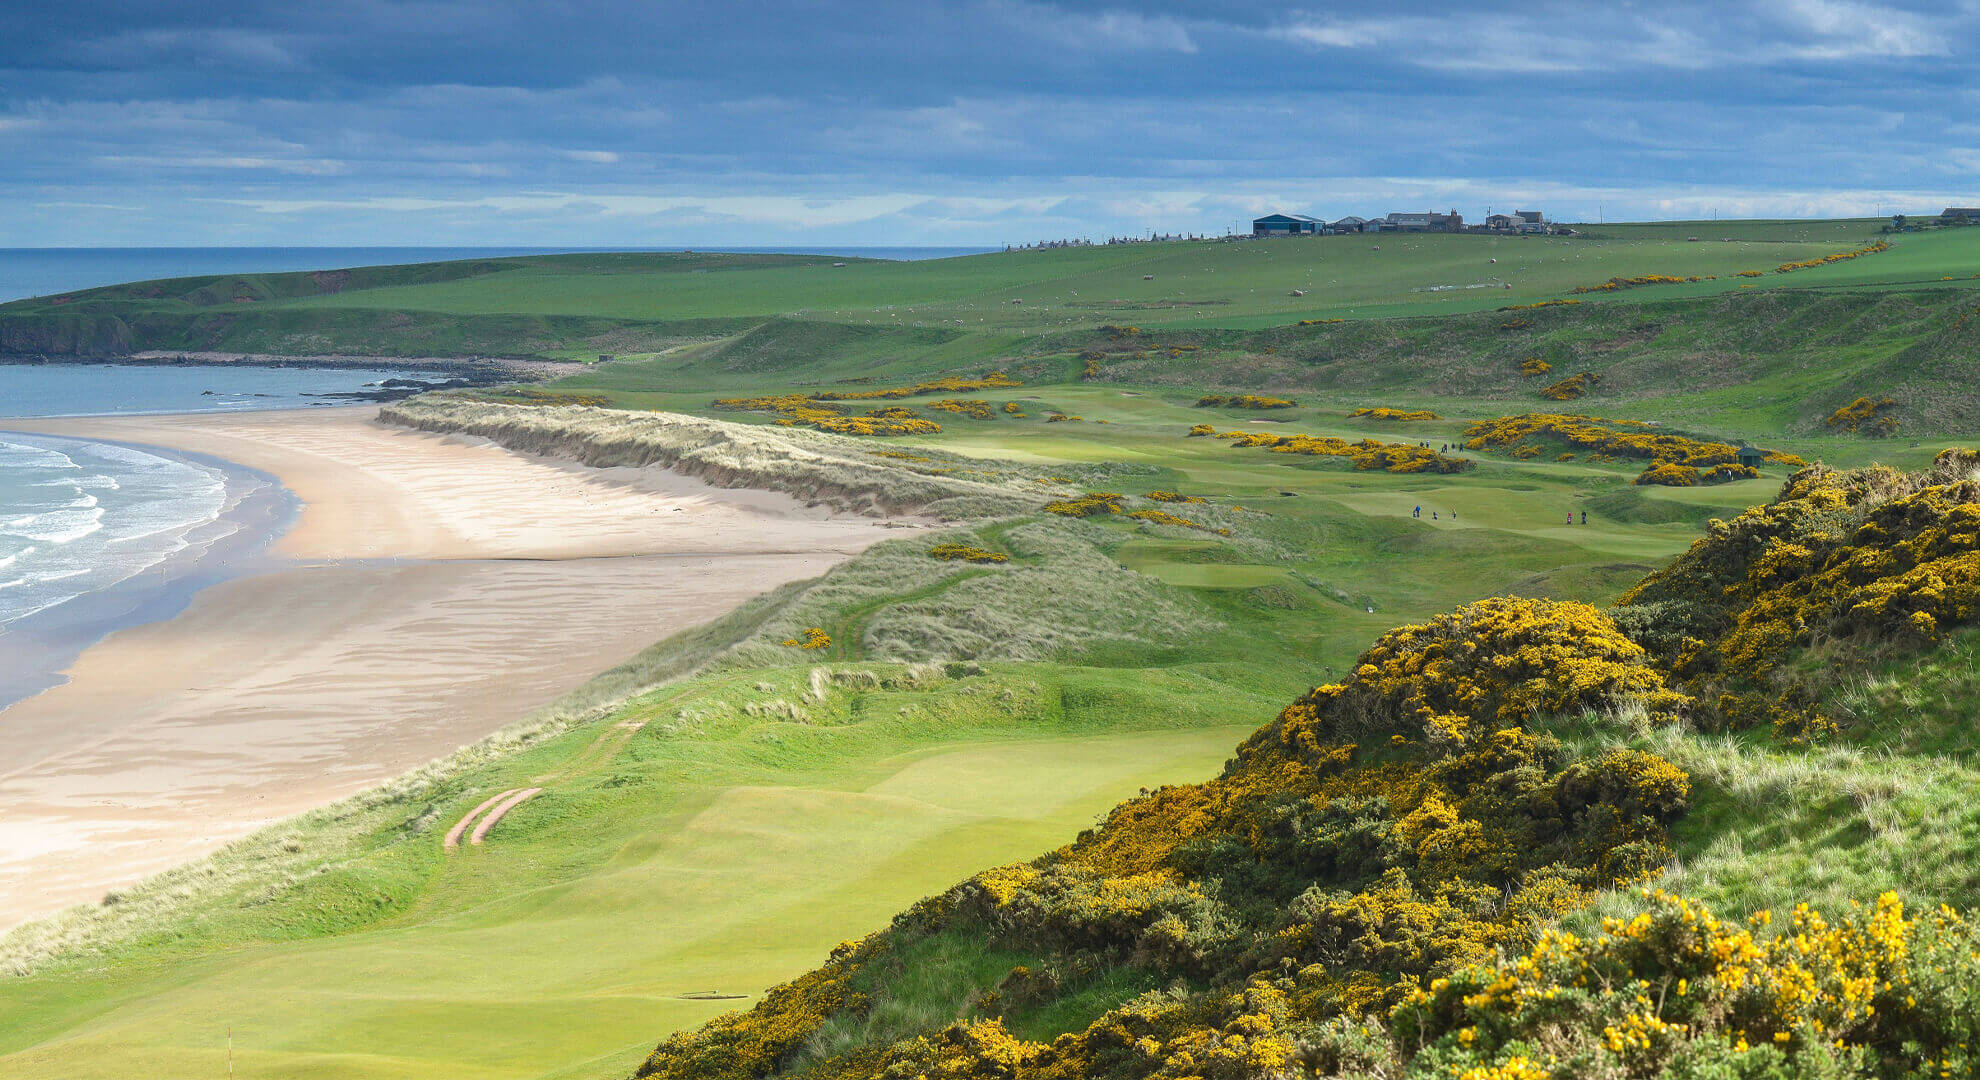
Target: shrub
{"x": 530, "y": 395}
{"x": 1607, "y": 438}
{"x": 824, "y": 415}
{"x": 1533, "y": 365}
{"x": 1246, "y": 401}
{"x": 1163, "y": 517}
{"x": 966, "y": 553}
{"x": 1865, "y": 416}
{"x": 1091, "y": 504}
{"x": 1840, "y": 256}
{"x": 1173, "y": 497}
{"x": 1721, "y": 474}
{"x": 1571, "y": 387}
{"x": 1676, "y": 992}
{"x": 814, "y": 638}
{"x": 970, "y": 407}
{"x": 1395, "y": 414}
{"x": 995, "y": 380}
{"x": 1667, "y": 474}
{"x": 1366, "y": 454}
{"x": 1870, "y": 556}
{"x": 1616, "y": 284}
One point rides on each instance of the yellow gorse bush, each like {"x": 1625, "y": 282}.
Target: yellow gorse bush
{"x": 1536, "y": 305}
{"x": 1840, "y": 256}
{"x": 1677, "y": 984}
{"x": 1366, "y": 454}
{"x": 797, "y": 409}
{"x": 966, "y": 553}
{"x": 1572, "y": 387}
{"x": 1384, "y": 413}
{"x": 1616, "y": 284}
{"x": 1091, "y": 504}
{"x": 952, "y": 384}
{"x": 1533, "y": 365}
{"x": 1163, "y": 517}
{"x": 1173, "y": 497}
{"x": 970, "y": 407}
{"x": 820, "y": 411}
{"x": 1867, "y": 416}
{"x": 814, "y": 638}
{"x": 1246, "y": 401}
{"x": 1613, "y": 438}
{"x": 529, "y": 395}
{"x": 1667, "y": 474}
{"x": 1870, "y": 556}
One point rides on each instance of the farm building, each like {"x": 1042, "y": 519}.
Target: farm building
{"x": 1286, "y": 225}
{"x": 1961, "y": 215}
{"x": 1428, "y": 221}
{"x": 1348, "y": 224}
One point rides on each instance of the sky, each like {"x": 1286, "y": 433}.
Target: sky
{"x": 976, "y": 122}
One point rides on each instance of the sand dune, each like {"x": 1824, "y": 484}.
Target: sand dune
{"x": 432, "y": 591}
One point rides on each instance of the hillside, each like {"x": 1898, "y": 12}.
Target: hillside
{"x": 1337, "y": 901}
{"x": 1367, "y": 318}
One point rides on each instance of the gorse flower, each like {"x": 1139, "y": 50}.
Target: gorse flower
{"x": 1384, "y": 413}
{"x": 814, "y": 638}
{"x": 1246, "y": 401}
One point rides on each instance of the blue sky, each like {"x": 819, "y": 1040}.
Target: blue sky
{"x": 974, "y": 122}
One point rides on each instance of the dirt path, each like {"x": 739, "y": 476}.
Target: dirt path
{"x": 495, "y": 815}
{"x": 453, "y": 839}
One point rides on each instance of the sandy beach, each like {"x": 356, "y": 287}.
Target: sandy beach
{"x": 433, "y": 590}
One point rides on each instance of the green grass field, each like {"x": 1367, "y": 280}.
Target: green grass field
{"x": 763, "y": 813}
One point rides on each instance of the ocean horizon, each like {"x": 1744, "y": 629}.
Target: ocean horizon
{"x": 46, "y": 271}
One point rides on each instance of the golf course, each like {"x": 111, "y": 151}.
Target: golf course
{"x": 1158, "y": 493}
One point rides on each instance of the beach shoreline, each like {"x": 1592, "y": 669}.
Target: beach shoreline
{"x": 257, "y": 510}
{"x": 430, "y": 590}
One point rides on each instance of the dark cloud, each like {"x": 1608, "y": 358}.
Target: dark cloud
{"x": 588, "y": 122}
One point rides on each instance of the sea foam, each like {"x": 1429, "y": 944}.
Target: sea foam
{"x": 78, "y": 517}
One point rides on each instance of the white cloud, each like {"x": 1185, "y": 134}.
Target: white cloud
{"x": 1335, "y": 34}
{"x": 593, "y": 157}
{"x": 215, "y": 46}
{"x": 1122, "y": 30}
{"x": 1843, "y": 29}
{"x": 290, "y": 166}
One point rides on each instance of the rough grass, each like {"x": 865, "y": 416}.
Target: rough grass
{"x": 819, "y": 468}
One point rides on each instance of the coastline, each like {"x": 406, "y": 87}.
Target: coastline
{"x": 430, "y": 591}
{"x": 257, "y": 511}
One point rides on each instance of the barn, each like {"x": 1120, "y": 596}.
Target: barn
{"x": 1286, "y": 225}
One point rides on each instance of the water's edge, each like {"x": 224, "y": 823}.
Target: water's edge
{"x": 39, "y": 648}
